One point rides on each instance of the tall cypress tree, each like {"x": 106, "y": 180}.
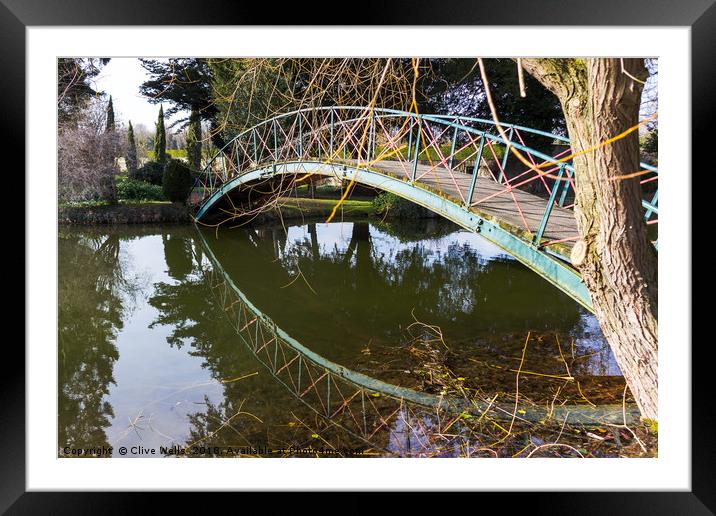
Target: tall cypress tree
{"x": 193, "y": 141}
{"x": 160, "y": 139}
{"x": 131, "y": 151}
{"x": 110, "y": 116}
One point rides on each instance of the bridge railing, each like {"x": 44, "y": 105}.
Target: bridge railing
{"x": 449, "y": 154}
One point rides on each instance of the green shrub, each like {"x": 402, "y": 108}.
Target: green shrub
{"x": 649, "y": 147}
{"x": 129, "y": 189}
{"x": 177, "y": 181}
{"x": 151, "y": 172}
{"x": 650, "y": 142}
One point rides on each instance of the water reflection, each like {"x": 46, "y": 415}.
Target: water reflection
{"x": 95, "y": 295}
{"x": 323, "y": 281}
{"x": 147, "y": 356}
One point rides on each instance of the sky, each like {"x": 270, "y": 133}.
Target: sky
{"x": 121, "y": 78}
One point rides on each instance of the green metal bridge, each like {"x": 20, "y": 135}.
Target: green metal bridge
{"x": 457, "y": 167}
{"x": 460, "y": 168}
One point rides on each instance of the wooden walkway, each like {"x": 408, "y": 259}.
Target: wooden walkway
{"x": 503, "y": 207}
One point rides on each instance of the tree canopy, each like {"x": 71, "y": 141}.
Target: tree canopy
{"x": 185, "y": 83}
{"x": 454, "y": 86}
{"x": 245, "y": 91}
{"x": 74, "y": 85}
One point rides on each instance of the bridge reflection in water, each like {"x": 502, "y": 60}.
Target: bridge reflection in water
{"x": 385, "y": 416}
{"x": 164, "y": 356}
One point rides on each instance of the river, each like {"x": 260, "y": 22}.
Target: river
{"x": 150, "y": 362}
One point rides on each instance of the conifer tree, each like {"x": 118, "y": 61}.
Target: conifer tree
{"x": 193, "y": 141}
{"x": 131, "y": 151}
{"x": 160, "y": 139}
{"x": 110, "y": 116}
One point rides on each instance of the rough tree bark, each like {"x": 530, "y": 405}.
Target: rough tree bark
{"x": 620, "y": 268}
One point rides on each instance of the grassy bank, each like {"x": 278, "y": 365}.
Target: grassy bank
{"x": 153, "y": 212}
{"x": 296, "y": 208}
{"x": 384, "y": 206}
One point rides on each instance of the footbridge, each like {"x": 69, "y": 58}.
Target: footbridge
{"x": 458, "y": 167}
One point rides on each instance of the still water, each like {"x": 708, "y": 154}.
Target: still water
{"x": 149, "y": 361}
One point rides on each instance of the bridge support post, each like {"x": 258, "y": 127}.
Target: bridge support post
{"x": 653, "y": 202}
{"x": 452, "y": 147}
{"x": 565, "y": 189}
{"x": 275, "y": 141}
{"x": 256, "y": 147}
{"x": 300, "y": 135}
{"x": 417, "y": 150}
{"x": 409, "y": 149}
{"x": 344, "y": 142}
{"x": 331, "y": 142}
{"x": 548, "y": 208}
{"x": 507, "y": 155}
{"x": 318, "y": 141}
{"x": 370, "y": 153}
{"x": 475, "y": 170}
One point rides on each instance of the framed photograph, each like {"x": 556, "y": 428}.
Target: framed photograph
{"x": 273, "y": 257}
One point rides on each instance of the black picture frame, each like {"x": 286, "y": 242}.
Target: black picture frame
{"x": 700, "y": 15}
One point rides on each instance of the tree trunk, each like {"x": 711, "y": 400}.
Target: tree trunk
{"x": 620, "y": 268}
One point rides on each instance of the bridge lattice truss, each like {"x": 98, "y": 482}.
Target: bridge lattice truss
{"x": 458, "y": 167}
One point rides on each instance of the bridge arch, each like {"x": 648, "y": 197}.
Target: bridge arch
{"x": 457, "y": 167}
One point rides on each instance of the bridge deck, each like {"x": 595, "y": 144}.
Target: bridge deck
{"x": 503, "y": 207}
